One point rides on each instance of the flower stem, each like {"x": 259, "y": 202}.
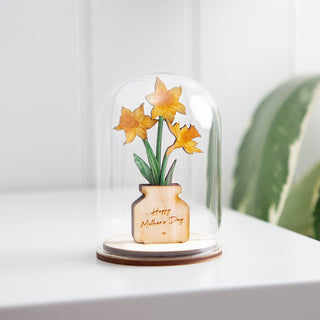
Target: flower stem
{"x": 154, "y": 165}
{"x": 163, "y": 170}
{"x": 159, "y": 140}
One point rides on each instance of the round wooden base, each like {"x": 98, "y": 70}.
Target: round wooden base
{"x": 155, "y": 261}
{"x": 124, "y": 250}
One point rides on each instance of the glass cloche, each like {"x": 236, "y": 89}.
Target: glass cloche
{"x": 158, "y": 173}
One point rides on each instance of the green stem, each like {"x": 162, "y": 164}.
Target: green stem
{"x": 159, "y": 140}
{"x": 154, "y": 165}
{"x": 163, "y": 170}
{"x": 144, "y": 143}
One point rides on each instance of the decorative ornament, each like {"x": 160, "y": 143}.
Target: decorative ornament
{"x": 159, "y": 215}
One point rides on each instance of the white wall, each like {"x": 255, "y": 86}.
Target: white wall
{"x": 58, "y": 60}
{"x": 39, "y": 139}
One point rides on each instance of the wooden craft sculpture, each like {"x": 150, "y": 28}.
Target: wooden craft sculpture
{"x": 159, "y": 215}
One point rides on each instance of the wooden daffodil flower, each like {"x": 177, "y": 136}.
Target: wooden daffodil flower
{"x": 134, "y": 123}
{"x": 166, "y": 102}
{"x": 184, "y": 138}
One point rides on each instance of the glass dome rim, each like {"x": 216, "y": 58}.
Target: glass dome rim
{"x": 109, "y": 96}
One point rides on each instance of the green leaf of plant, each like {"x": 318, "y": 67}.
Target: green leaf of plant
{"x": 162, "y": 181}
{"x": 268, "y": 154}
{"x": 169, "y": 176}
{"x": 298, "y": 212}
{"x": 316, "y": 215}
{"x": 154, "y": 164}
{"x": 144, "y": 168}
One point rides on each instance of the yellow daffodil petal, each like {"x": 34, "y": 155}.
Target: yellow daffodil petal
{"x": 139, "y": 112}
{"x": 160, "y": 86}
{"x": 142, "y": 133}
{"x": 179, "y": 107}
{"x": 175, "y": 129}
{"x": 148, "y": 123}
{"x": 192, "y": 133}
{"x": 125, "y": 112}
{"x": 130, "y": 135}
{"x": 176, "y": 93}
{"x": 152, "y": 98}
{"x": 134, "y": 123}
{"x": 165, "y": 102}
{"x": 184, "y": 138}
{"x": 191, "y": 150}
{"x": 156, "y": 112}
{"x": 183, "y": 130}
{"x": 168, "y": 116}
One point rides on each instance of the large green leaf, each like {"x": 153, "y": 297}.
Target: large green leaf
{"x": 169, "y": 176}
{"x": 144, "y": 168}
{"x": 316, "y": 214}
{"x": 268, "y": 154}
{"x": 154, "y": 164}
{"x": 298, "y": 212}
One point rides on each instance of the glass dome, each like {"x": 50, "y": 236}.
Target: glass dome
{"x": 158, "y": 172}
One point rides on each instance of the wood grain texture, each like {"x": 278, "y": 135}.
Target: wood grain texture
{"x": 126, "y": 246}
{"x": 163, "y": 261}
{"x": 160, "y": 216}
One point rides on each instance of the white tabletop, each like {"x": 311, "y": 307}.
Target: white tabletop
{"x": 48, "y": 267}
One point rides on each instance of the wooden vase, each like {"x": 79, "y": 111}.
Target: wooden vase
{"x": 160, "y": 216}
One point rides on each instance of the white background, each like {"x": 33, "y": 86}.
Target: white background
{"x": 59, "y": 59}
